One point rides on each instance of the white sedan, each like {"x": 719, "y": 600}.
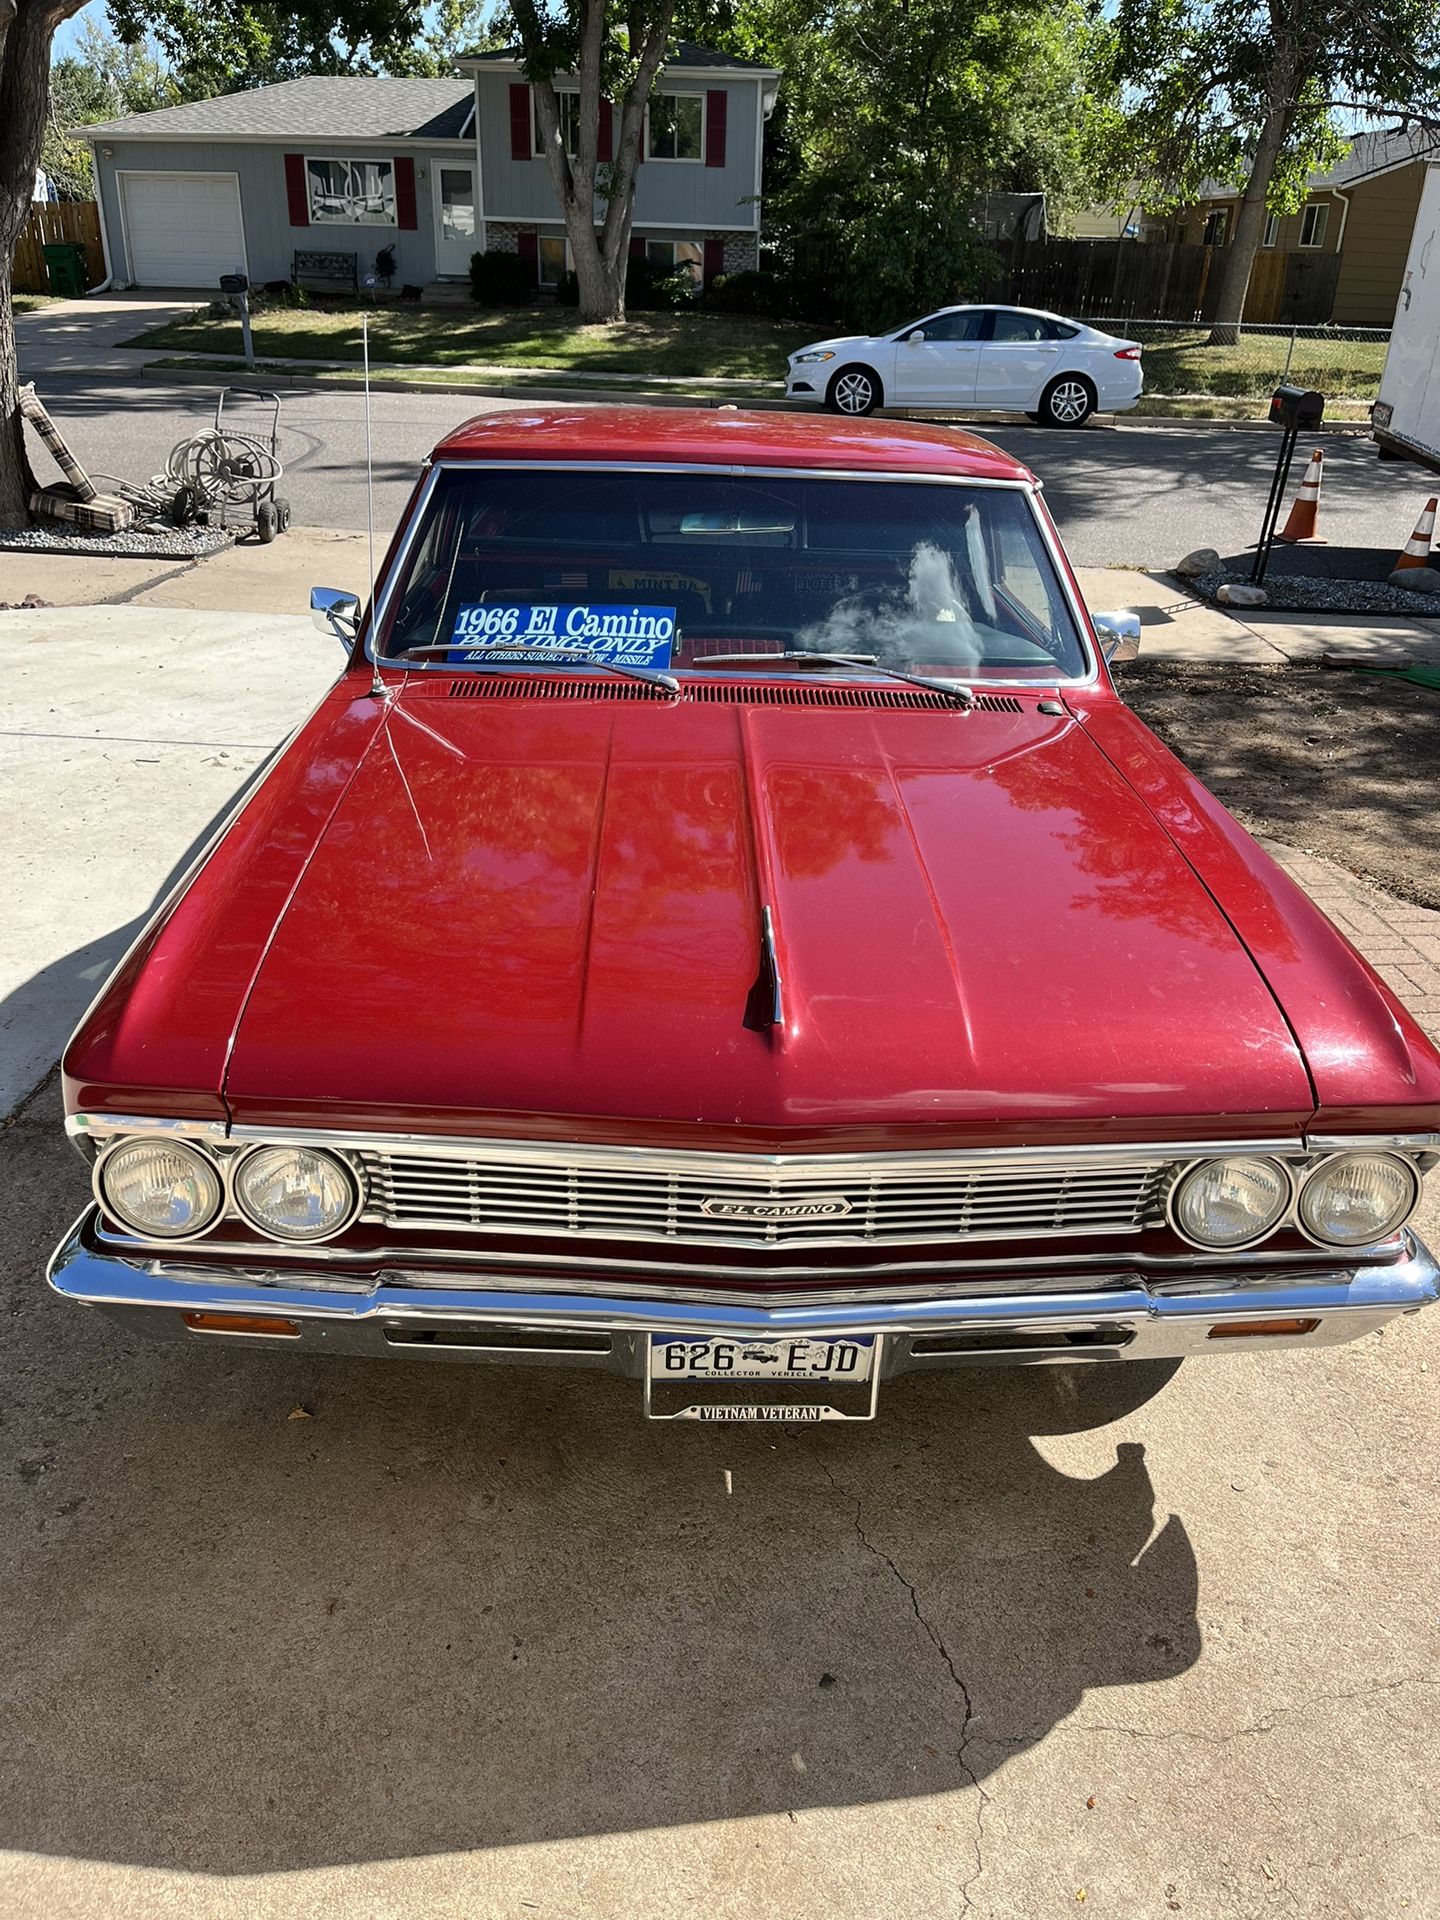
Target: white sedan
{"x": 1008, "y": 359}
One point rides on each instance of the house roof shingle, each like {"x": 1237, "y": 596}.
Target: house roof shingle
{"x": 319, "y": 106}
{"x": 1371, "y": 152}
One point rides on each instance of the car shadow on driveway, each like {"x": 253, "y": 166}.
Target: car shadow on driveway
{"x": 267, "y": 1612}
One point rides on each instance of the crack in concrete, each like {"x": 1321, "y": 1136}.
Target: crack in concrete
{"x": 932, "y": 1634}
{"x": 1266, "y": 1724}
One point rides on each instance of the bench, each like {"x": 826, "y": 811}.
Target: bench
{"x": 330, "y": 269}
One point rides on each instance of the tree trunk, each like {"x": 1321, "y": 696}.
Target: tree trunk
{"x": 580, "y": 178}
{"x": 1239, "y": 256}
{"x": 26, "y": 31}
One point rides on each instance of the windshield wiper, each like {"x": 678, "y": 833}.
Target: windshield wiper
{"x": 662, "y": 682}
{"x": 962, "y": 697}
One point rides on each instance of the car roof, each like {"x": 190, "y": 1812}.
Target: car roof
{"x": 697, "y": 436}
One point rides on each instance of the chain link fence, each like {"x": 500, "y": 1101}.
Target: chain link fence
{"x": 1342, "y": 362}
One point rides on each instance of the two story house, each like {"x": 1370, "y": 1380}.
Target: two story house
{"x": 431, "y": 170}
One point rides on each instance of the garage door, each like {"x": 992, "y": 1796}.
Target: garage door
{"x": 182, "y": 229}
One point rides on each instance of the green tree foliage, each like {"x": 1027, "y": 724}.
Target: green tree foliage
{"x": 1253, "y": 94}
{"x": 216, "y": 48}
{"x": 102, "y": 79}
{"x": 895, "y": 119}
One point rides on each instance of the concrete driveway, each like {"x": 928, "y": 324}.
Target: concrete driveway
{"x": 287, "y": 1637}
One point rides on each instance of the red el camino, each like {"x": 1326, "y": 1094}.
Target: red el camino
{"x": 723, "y": 927}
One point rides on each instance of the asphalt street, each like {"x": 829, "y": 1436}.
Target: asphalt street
{"x": 1122, "y": 496}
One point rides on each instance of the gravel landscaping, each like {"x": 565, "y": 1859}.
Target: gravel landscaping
{"x": 1333, "y": 762}
{"x": 167, "y": 543}
{"x": 1286, "y": 593}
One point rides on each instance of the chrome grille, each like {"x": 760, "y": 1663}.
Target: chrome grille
{"x": 727, "y": 1200}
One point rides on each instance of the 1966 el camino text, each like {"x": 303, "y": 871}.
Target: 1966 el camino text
{"x": 724, "y": 927}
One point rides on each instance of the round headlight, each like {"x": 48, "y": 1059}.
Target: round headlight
{"x": 1228, "y": 1204}
{"x": 296, "y": 1193}
{"x": 1358, "y": 1198}
{"x": 160, "y": 1189}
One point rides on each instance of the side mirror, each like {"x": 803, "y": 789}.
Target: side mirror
{"x": 1119, "y": 636}
{"x": 335, "y": 612}
{"x": 916, "y": 339}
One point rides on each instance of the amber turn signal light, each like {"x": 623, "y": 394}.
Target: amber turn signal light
{"x": 276, "y": 1328}
{"x": 1243, "y": 1329}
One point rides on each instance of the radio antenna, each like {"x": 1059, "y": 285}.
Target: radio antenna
{"x": 377, "y": 685}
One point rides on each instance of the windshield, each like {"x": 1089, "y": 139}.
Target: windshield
{"x": 529, "y": 567}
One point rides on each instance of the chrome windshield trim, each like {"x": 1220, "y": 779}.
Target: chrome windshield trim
{"x": 379, "y": 611}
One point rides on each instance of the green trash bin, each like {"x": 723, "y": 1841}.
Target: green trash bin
{"x": 65, "y": 268}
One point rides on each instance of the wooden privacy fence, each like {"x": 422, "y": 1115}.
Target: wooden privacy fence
{"x": 47, "y": 222}
{"x": 1160, "y": 280}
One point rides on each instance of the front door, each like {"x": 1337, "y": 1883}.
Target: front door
{"x": 455, "y": 235}
{"x": 935, "y": 361}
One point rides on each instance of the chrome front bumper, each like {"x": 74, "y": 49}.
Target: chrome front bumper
{"x": 497, "y": 1321}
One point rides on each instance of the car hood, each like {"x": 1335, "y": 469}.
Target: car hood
{"x": 834, "y": 346}
{"x": 548, "y": 916}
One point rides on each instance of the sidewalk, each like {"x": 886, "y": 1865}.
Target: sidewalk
{"x": 1175, "y": 627}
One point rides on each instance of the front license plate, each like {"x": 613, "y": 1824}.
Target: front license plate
{"x": 739, "y": 1377}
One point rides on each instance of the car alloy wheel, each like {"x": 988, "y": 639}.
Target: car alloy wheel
{"x": 854, "y": 390}
{"x": 1067, "y": 402}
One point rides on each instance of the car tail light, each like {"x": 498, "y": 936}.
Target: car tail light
{"x": 1128, "y": 353}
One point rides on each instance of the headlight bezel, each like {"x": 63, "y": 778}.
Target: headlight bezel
{"x": 185, "y": 1148}
{"x": 257, "y": 1225}
{"x": 813, "y": 356}
{"x": 1331, "y": 1160}
{"x": 1192, "y": 1168}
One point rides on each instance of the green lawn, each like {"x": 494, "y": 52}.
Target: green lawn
{"x": 1182, "y": 363}
{"x": 680, "y": 345}
{"x": 28, "y": 302}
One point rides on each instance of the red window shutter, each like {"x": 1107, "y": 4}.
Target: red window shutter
{"x": 295, "y": 190}
{"x": 715, "y": 102}
{"x": 605, "y": 141}
{"x": 637, "y": 247}
{"x": 714, "y": 259}
{"x": 522, "y": 145}
{"x": 405, "y": 192}
{"x": 527, "y": 245}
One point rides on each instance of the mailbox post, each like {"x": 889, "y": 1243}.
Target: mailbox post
{"x": 236, "y": 288}
{"x": 1291, "y": 408}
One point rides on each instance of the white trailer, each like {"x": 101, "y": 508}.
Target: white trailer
{"x": 1406, "y": 417}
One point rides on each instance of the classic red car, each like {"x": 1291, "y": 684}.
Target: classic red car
{"x": 724, "y": 927}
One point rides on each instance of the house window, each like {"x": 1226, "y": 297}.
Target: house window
{"x": 675, "y": 127}
{"x": 1272, "y": 228}
{"x": 567, "y": 103}
{"x": 671, "y": 255}
{"x": 1217, "y": 228}
{"x": 554, "y": 258}
{"x": 351, "y": 193}
{"x": 1313, "y": 222}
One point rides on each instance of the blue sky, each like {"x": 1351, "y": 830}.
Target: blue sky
{"x": 66, "y": 34}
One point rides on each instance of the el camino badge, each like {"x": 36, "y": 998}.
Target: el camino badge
{"x": 769, "y": 1212}
{"x": 562, "y": 635}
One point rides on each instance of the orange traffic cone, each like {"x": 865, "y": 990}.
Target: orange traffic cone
{"x": 1305, "y": 514}
{"x": 1417, "y": 547}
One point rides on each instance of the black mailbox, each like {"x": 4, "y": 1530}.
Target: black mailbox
{"x": 233, "y": 283}
{"x": 1296, "y": 407}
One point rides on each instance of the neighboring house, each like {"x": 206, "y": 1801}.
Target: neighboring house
{"x": 1111, "y": 220}
{"x": 1350, "y": 240}
{"x": 435, "y": 169}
